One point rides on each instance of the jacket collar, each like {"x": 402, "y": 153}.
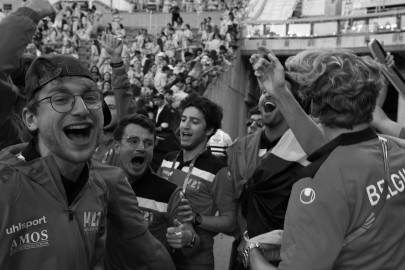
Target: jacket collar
{"x": 344, "y": 139}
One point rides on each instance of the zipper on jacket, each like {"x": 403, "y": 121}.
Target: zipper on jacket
{"x": 70, "y": 212}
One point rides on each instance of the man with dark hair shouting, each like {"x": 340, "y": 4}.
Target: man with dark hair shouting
{"x": 205, "y": 180}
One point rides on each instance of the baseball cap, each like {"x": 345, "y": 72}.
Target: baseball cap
{"x": 49, "y": 67}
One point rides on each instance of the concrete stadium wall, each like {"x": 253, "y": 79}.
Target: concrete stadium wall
{"x": 232, "y": 91}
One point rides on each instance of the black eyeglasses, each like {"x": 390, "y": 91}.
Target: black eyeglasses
{"x": 134, "y": 141}
{"x": 259, "y": 122}
{"x": 63, "y": 102}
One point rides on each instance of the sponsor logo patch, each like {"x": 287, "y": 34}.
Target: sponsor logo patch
{"x": 307, "y": 195}
{"x": 29, "y": 241}
{"x": 91, "y": 221}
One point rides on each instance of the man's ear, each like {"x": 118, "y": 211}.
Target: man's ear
{"x": 30, "y": 119}
{"x": 209, "y": 132}
{"x": 117, "y": 147}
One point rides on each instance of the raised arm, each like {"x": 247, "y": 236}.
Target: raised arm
{"x": 120, "y": 81}
{"x": 16, "y": 32}
{"x": 271, "y": 77}
{"x": 380, "y": 120}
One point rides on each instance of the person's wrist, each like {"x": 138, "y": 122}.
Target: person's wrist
{"x": 248, "y": 250}
{"x": 197, "y": 219}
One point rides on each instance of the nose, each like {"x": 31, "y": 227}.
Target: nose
{"x": 266, "y": 93}
{"x": 139, "y": 146}
{"x": 79, "y": 107}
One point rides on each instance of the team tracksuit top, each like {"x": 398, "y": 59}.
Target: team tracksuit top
{"x": 39, "y": 230}
{"x": 342, "y": 183}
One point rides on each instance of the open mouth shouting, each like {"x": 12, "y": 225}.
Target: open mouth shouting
{"x": 138, "y": 162}
{"x": 185, "y": 135}
{"x": 79, "y": 133}
{"x": 269, "y": 106}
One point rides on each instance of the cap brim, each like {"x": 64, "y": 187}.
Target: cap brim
{"x": 106, "y": 113}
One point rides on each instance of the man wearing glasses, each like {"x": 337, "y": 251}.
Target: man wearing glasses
{"x": 54, "y": 198}
{"x": 158, "y": 198}
{"x": 255, "y": 121}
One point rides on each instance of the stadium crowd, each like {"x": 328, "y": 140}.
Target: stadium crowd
{"x": 175, "y": 62}
{"x": 123, "y": 165}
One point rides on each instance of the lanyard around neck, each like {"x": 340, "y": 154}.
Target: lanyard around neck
{"x": 190, "y": 169}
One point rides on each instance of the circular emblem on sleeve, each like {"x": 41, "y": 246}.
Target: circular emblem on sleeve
{"x": 307, "y": 195}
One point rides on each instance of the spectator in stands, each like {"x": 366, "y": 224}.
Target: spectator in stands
{"x": 120, "y": 31}
{"x": 163, "y": 113}
{"x": 178, "y": 92}
{"x": 215, "y": 43}
{"x": 150, "y": 58}
{"x": 232, "y": 24}
{"x": 149, "y": 78}
{"x": 140, "y": 5}
{"x": 106, "y": 87}
{"x": 255, "y": 121}
{"x": 156, "y": 47}
{"x": 96, "y": 76}
{"x": 209, "y": 22}
{"x": 166, "y": 6}
{"x": 126, "y": 52}
{"x": 189, "y": 5}
{"x": 161, "y": 79}
{"x": 85, "y": 29}
{"x": 109, "y": 29}
{"x": 186, "y": 36}
{"x": 175, "y": 10}
{"x": 170, "y": 46}
{"x": 135, "y": 73}
{"x": 148, "y": 45}
{"x": 200, "y": 5}
{"x": 59, "y": 15}
{"x": 212, "y": 5}
{"x": 107, "y": 77}
{"x": 116, "y": 19}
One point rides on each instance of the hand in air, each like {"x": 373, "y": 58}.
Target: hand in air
{"x": 270, "y": 73}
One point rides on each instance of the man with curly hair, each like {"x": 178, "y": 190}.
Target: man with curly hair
{"x": 344, "y": 212}
{"x": 205, "y": 179}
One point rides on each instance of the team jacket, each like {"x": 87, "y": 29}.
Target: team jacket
{"x": 266, "y": 193}
{"x": 343, "y": 182}
{"x": 209, "y": 189}
{"x": 158, "y": 200}
{"x": 38, "y": 229}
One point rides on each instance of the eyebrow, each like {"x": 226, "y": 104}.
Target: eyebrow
{"x": 192, "y": 118}
{"x": 66, "y": 90}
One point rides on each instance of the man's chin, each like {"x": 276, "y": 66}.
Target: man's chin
{"x": 80, "y": 156}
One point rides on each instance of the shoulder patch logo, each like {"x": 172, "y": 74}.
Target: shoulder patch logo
{"x": 307, "y": 195}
